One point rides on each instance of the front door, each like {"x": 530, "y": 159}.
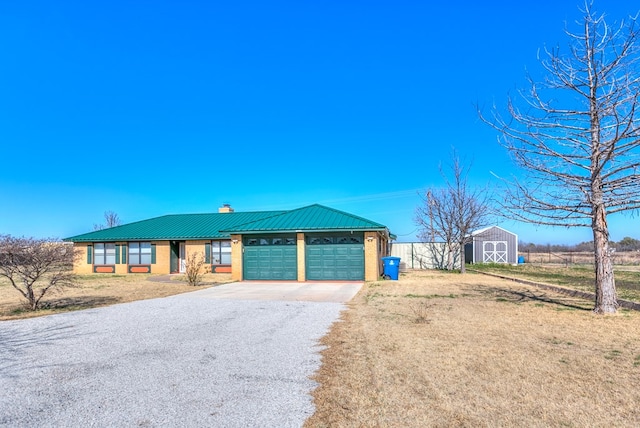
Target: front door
{"x": 183, "y": 258}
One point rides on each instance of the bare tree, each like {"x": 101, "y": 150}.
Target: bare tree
{"x": 440, "y": 256}
{"x": 195, "y": 268}
{"x": 452, "y": 212}
{"x": 111, "y": 219}
{"x": 576, "y": 134}
{"x": 36, "y": 266}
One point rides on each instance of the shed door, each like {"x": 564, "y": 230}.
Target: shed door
{"x": 494, "y": 252}
{"x": 270, "y": 257}
{"x": 335, "y": 257}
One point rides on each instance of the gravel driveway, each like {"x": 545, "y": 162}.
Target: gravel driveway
{"x": 201, "y": 359}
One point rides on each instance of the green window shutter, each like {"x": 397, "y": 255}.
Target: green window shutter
{"x": 207, "y": 253}
{"x": 153, "y": 254}
{"x": 89, "y": 254}
{"x": 124, "y": 254}
{"x": 117, "y": 254}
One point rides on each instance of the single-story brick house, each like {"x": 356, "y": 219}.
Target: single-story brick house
{"x": 309, "y": 243}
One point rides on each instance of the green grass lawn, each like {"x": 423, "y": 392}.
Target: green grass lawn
{"x": 581, "y": 278}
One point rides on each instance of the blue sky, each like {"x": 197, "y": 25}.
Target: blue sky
{"x": 148, "y": 108}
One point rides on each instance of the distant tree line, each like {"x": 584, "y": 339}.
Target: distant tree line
{"x": 625, "y": 244}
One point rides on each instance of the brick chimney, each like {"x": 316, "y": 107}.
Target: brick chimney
{"x": 225, "y": 208}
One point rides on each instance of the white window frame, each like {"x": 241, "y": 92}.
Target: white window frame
{"x": 221, "y": 253}
{"x": 104, "y": 253}
{"x": 139, "y": 253}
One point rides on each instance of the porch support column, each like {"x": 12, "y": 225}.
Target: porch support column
{"x": 236, "y": 257}
{"x": 302, "y": 272}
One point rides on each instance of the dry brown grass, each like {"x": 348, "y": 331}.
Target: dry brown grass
{"x": 627, "y": 279}
{"x": 99, "y": 290}
{"x": 491, "y": 353}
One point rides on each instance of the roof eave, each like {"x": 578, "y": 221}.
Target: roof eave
{"x": 322, "y": 230}
{"x": 155, "y": 238}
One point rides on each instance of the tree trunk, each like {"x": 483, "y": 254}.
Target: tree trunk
{"x": 33, "y": 304}
{"x": 606, "y": 299}
{"x": 462, "y": 259}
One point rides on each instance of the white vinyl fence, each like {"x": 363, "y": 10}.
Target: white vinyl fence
{"x": 425, "y": 255}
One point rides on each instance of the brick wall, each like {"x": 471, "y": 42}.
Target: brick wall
{"x": 198, "y": 247}
{"x": 236, "y": 257}
{"x": 371, "y": 257}
{"x": 163, "y": 258}
{"x": 80, "y": 265}
{"x": 162, "y": 265}
{"x": 302, "y": 272}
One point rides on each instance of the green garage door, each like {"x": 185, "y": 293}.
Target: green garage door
{"x": 270, "y": 257}
{"x": 335, "y": 257}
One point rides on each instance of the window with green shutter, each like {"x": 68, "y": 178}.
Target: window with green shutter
{"x": 89, "y": 254}
{"x": 220, "y": 252}
{"x": 104, "y": 253}
{"x": 142, "y": 253}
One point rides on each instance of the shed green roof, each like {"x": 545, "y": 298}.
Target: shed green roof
{"x": 313, "y": 218}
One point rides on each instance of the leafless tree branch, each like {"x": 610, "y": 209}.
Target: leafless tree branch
{"x": 450, "y": 213}
{"x": 111, "y": 219}
{"x": 36, "y": 266}
{"x": 576, "y": 135}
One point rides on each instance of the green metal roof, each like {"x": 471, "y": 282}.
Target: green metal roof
{"x": 313, "y": 218}
{"x": 176, "y": 226}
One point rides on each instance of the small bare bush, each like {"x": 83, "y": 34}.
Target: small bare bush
{"x": 421, "y": 311}
{"x": 195, "y": 268}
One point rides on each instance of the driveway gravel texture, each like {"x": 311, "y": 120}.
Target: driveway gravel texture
{"x": 185, "y": 360}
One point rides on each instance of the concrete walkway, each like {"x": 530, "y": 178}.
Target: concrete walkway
{"x": 162, "y": 278}
{"x": 334, "y": 292}
{"x": 313, "y": 291}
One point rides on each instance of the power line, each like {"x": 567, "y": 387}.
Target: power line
{"x": 407, "y": 234}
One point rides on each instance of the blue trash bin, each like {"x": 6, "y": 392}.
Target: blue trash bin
{"x": 391, "y": 267}
{"x": 520, "y": 260}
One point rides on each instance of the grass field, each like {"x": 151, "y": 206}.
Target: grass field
{"x": 575, "y": 276}
{"x": 443, "y": 349}
{"x": 568, "y": 258}
{"x": 97, "y": 290}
